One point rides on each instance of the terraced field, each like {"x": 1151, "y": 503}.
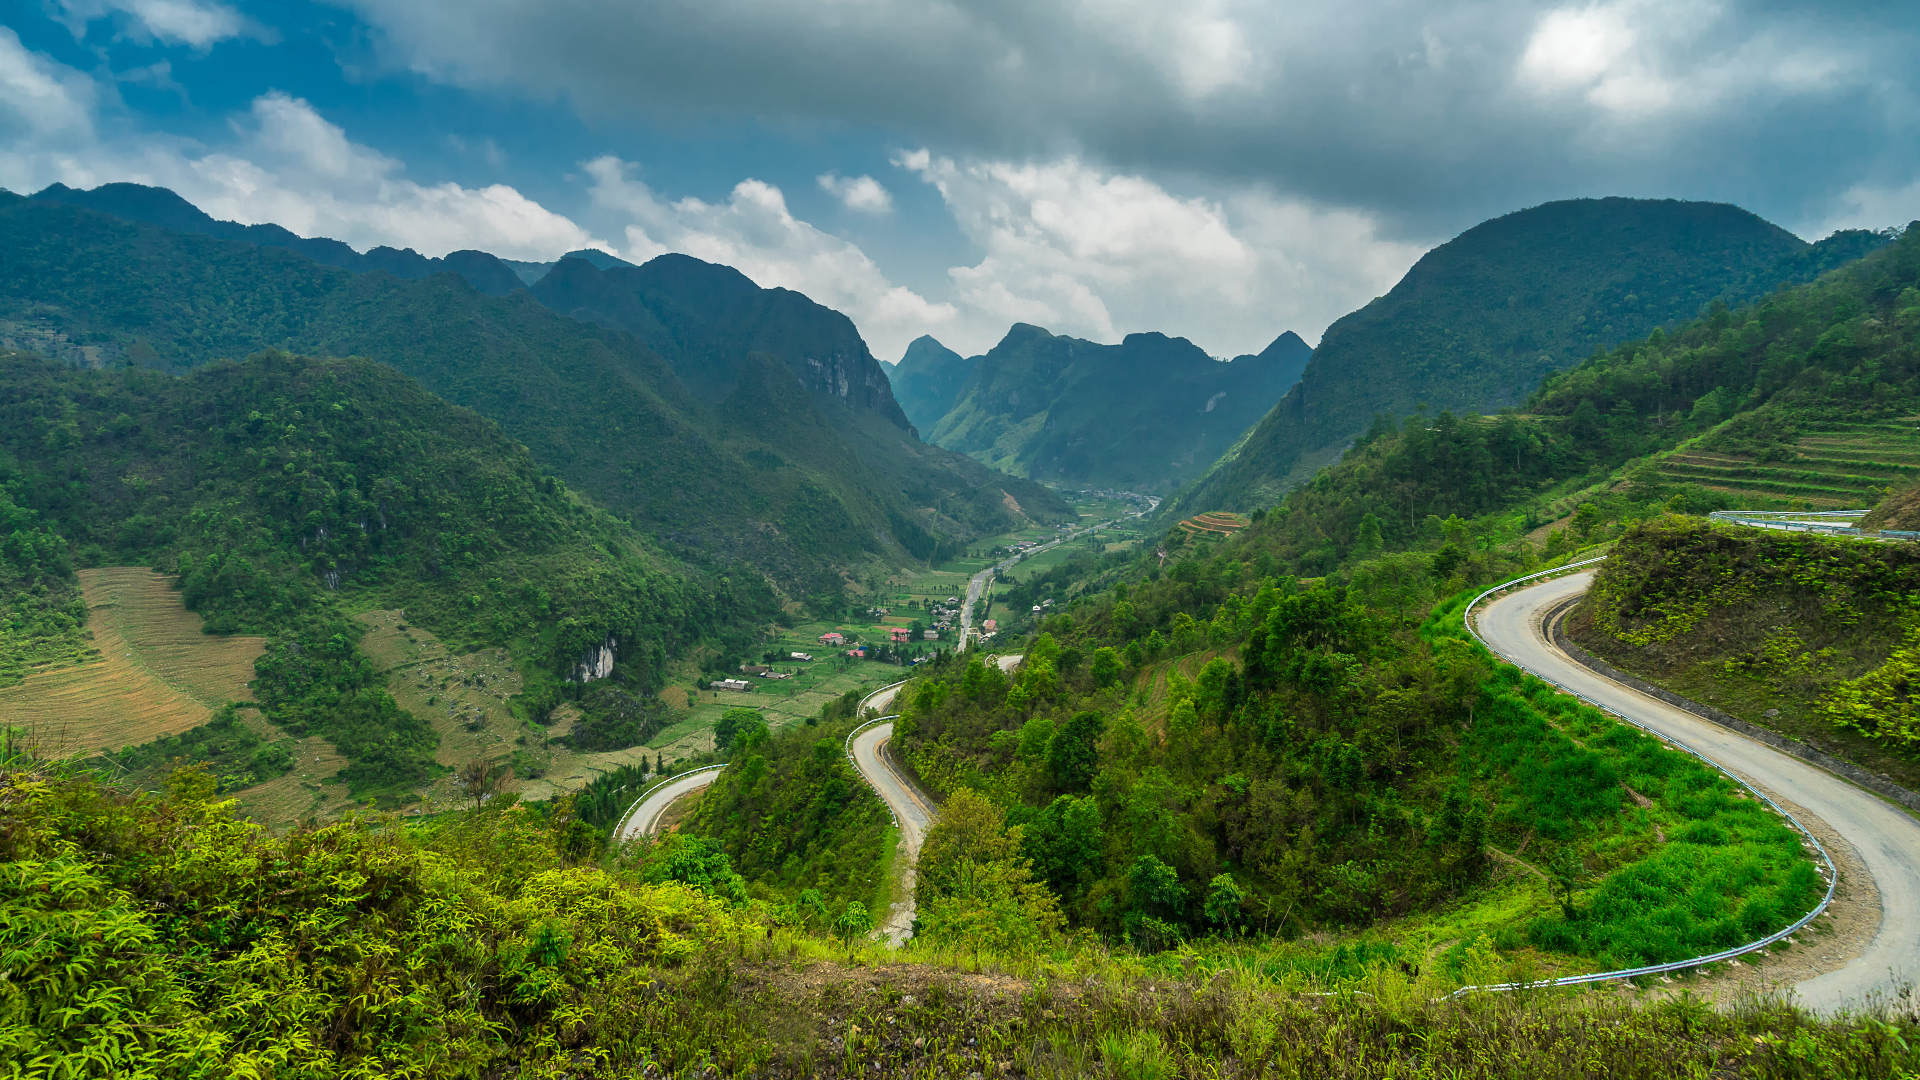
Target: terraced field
{"x": 1840, "y": 465}
{"x": 157, "y": 674}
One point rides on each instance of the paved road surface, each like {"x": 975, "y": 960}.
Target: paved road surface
{"x": 912, "y": 809}
{"x": 1887, "y": 839}
{"x": 978, "y": 583}
{"x": 645, "y": 817}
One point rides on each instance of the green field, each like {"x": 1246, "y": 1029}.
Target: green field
{"x": 1834, "y": 465}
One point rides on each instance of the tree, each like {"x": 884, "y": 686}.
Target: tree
{"x": 1224, "y": 901}
{"x": 1074, "y": 755}
{"x": 738, "y": 727}
{"x": 854, "y": 922}
{"x": 975, "y": 887}
{"x": 1107, "y": 667}
{"x": 1065, "y": 842}
{"x": 480, "y": 778}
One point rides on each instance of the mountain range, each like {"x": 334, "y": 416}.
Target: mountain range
{"x": 1147, "y": 414}
{"x": 738, "y": 423}
{"x": 1480, "y": 320}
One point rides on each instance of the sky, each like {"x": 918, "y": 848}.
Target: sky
{"x": 1220, "y": 170}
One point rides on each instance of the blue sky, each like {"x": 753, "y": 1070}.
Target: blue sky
{"x": 1218, "y": 169}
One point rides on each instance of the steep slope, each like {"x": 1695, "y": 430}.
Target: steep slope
{"x": 1481, "y": 319}
{"x": 594, "y": 404}
{"x": 159, "y": 206}
{"x": 709, "y": 321}
{"x": 1147, "y": 414}
{"x": 286, "y": 492}
{"x": 928, "y": 379}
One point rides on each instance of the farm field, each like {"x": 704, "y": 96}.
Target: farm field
{"x": 1837, "y": 465}
{"x": 157, "y": 674}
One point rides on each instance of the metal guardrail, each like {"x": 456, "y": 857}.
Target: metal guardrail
{"x": 621, "y": 825}
{"x": 1832, "y": 875}
{"x": 1797, "y": 521}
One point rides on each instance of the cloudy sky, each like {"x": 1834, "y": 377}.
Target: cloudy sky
{"x": 1222, "y": 170}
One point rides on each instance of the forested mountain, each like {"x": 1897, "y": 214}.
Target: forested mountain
{"x": 286, "y": 492}
{"x": 767, "y": 480}
{"x": 928, "y": 380}
{"x": 1147, "y": 414}
{"x": 159, "y": 206}
{"x": 1737, "y": 408}
{"x": 717, "y": 329}
{"x": 1481, "y": 319}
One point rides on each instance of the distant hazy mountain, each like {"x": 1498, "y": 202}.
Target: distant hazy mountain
{"x": 1147, "y": 414}
{"x": 531, "y": 272}
{"x": 769, "y": 467}
{"x": 928, "y": 380}
{"x": 1482, "y": 318}
{"x": 159, "y": 206}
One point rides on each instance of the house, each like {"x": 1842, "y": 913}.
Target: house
{"x": 754, "y": 669}
{"x": 738, "y": 685}
{"x": 1036, "y": 609}
{"x": 776, "y": 674}
{"x": 831, "y": 638}
{"x": 930, "y": 635}
{"x": 990, "y": 625}
{"x": 899, "y": 633}
{"x": 858, "y": 652}
{"x": 799, "y": 656}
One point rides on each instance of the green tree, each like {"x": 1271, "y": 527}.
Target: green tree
{"x": 1107, "y": 667}
{"x": 738, "y": 727}
{"x": 1074, "y": 755}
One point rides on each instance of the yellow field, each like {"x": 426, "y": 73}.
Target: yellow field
{"x": 464, "y": 696}
{"x": 158, "y": 673}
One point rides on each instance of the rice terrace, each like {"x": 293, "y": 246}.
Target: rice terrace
{"x": 157, "y": 673}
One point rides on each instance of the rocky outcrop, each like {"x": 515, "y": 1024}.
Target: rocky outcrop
{"x": 597, "y": 663}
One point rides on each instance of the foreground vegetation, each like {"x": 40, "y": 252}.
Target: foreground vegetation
{"x": 1814, "y": 636}
{"x": 159, "y": 937}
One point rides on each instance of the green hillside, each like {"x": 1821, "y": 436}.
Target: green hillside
{"x": 288, "y": 493}
{"x": 928, "y": 380}
{"x": 1146, "y": 415}
{"x": 1480, "y": 320}
{"x": 711, "y": 322}
{"x": 1809, "y": 635}
{"x": 596, "y": 405}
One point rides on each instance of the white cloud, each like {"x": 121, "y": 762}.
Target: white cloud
{"x": 1084, "y": 251}
{"x": 40, "y": 96}
{"x": 862, "y": 193}
{"x": 1868, "y": 206}
{"x": 754, "y": 232}
{"x": 173, "y": 22}
{"x": 287, "y": 165}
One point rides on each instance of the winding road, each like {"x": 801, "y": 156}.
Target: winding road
{"x": 644, "y": 818}
{"x": 912, "y": 810}
{"x": 978, "y": 583}
{"x": 1886, "y": 838}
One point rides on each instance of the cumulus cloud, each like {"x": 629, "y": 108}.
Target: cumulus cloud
{"x": 754, "y": 232}
{"x": 862, "y": 193}
{"x": 286, "y": 164}
{"x": 1096, "y": 254}
{"x": 1430, "y": 110}
{"x": 172, "y": 22}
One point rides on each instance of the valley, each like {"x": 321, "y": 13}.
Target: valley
{"x": 524, "y": 625}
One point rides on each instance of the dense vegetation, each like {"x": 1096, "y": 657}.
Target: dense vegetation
{"x": 758, "y": 472}
{"x": 42, "y": 614}
{"x": 792, "y": 815}
{"x": 1740, "y": 382}
{"x": 160, "y": 938}
{"x": 285, "y": 490}
{"x": 1481, "y": 319}
{"x": 1213, "y": 753}
{"x": 1813, "y": 635}
{"x": 1148, "y": 414}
